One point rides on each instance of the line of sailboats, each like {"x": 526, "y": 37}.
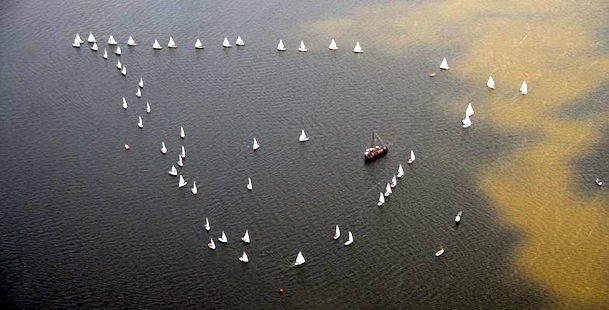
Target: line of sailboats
{"x": 393, "y": 182}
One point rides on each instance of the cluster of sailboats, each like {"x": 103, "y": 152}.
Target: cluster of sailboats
{"x": 393, "y": 183}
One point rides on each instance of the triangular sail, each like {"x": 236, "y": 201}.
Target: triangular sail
{"x": 444, "y": 64}
{"x": 223, "y": 238}
{"x": 183, "y": 154}
{"x": 148, "y": 107}
{"x": 207, "y": 227}
{"x": 469, "y": 111}
{"x": 381, "y": 200}
{"x": 303, "y": 136}
{"x": 280, "y": 46}
{"x": 180, "y": 163}
{"x": 211, "y": 244}
{"x": 299, "y": 259}
{"x": 466, "y": 121}
{"x": 140, "y": 123}
{"x": 157, "y": 45}
{"x": 94, "y": 47}
{"x": 198, "y": 44}
{"x": 105, "y": 54}
{"x": 490, "y": 83}
{"x": 78, "y": 40}
{"x": 255, "y": 146}
{"x": 194, "y": 188}
{"x": 138, "y": 93}
{"x": 182, "y": 135}
{"x": 246, "y": 237}
{"x": 393, "y": 182}
{"x": 400, "y": 171}
{"x": 119, "y": 65}
{"x": 163, "y": 147}
{"x": 226, "y": 43}
{"x": 124, "y": 103}
{"x": 524, "y": 88}
{"x": 173, "y": 170}
{"x": 412, "y": 158}
{"x": 350, "y": 239}
{"x": 91, "y": 38}
{"x": 124, "y": 71}
{"x": 111, "y": 41}
{"x": 141, "y": 83}
{"x": 172, "y": 43}
{"x": 302, "y": 47}
{"x": 239, "y": 41}
{"x": 357, "y": 48}
{"x": 388, "y": 190}
{"x": 118, "y": 51}
{"x": 333, "y": 45}
{"x": 249, "y": 184}
{"x": 182, "y": 182}
{"x": 244, "y": 258}
{"x": 131, "y": 42}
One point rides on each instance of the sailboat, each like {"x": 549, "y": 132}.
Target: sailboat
{"x": 141, "y": 83}
{"x": 172, "y": 43}
{"x": 94, "y": 47}
{"x": 302, "y": 47}
{"x": 118, "y": 51}
{"x": 357, "y": 48}
{"x": 440, "y": 252}
{"x": 211, "y": 244}
{"x": 105, "y": 54}
{"x": 182, "y": 182}
{"x": 400, "y": 171}
{"x": 243, "y": 258}
{"x": 207, "y": 227}
{"x": 299, "y": 259}
{"x": 182, "y": 135}
{"x": 138, "y": 93}
{"x": 393, "y": 182}
{"x": 598, "y": 182}
{"x": 332, "y": 45}
{"x": 458, "y": 217}
{"x": 249, "y": 184}
{"x": 524, "y": 88}
{"x": 76, "y": 41}
{"x": 124, "y": 71}
{"x": 388, "y": 190}
{"x": 466, "y": 121}
{"x": 198, "y": 44}
{"x": 140, "y": 124}
{"x": 412, "y": 158}
{"x": 180, "y": 163}
{"x": 444, "y": 64}
{"x": 163, "y": 147}
{"x": 350, "y": 239}
{"x": 375, "y": 151}
{"x": 124, "y": 103}
{"x": 490, "y": 83}
{"x": 381, "y": 200}
{"x": 303, "y": 137}
{"x": 173, "y": 171}
{"x": 131, "y": 42}
{"x": 255, "y": 146}
{"x": 156, "y": 45}
{"x": 239, "y": 41}
{"x": 223, "y": 238}
{"x": 91, "y": 38}
{"x": 469, "y": 111}
{"x": 119, "y": 65}
{"x": 280, "y": 46}
{"x": 183, "y": 154}
{"x": 111, "y": 40}
{"x": 147, "y": 107}
{"x": 194, "y": 189}
{"x": 336, "y": 233}
{"x": 226, "y": 43}
{"x": 246, "y": 237}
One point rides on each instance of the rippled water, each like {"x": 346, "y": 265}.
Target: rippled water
{"x": 87, "y": 224}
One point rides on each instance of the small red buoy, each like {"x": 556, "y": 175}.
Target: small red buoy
{"x": 281, "y": 290}
{"x": 127, "y": 146}
{"x": 432, "y": 74}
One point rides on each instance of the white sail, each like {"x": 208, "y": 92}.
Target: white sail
{"x": 458, "y": 217}
{"x": 381, "y": 200}
{"x": 105, "y": 54}
{"x": 524, "y": 88}
{"x": 118, "y": 51}
{"x": 350, "y": 239}
{"x": 182, "y": 135}
{"x": 440, "y": 252}
{"x": 388, "y": 190}
{"x": 198, "y": 44}
{"x": 412, "y": 158}
{"x": 91, "y": 38}
{"x": 303, "y": 137}
{"x": 444, "y": 64}
{"x": 157, "y": 45}
{"x": 183, "y": 154}
{"x": 211, "y": 244}
{"x": 466, "y": 122}
{"x": 111, "y": 40}
{"x": 246, "y": 237}
{"x": 141, "y": 83}
{"x": 147, "y": 107}
{"x": 124, "y": 71}
{"x": 469, "y": 111}
{"x": 138, "y": 93}
{"x": 239, "y": 41}
{"x": 490, "y": 83}
{"x": 393, "y": 182}
{"x": 357, "y": 48}
{"x": 243, "y": 258}
{"x": 163, "y": 147}
{"x": 124, "y": 103}
{"x": 336, "y": 233}
{"x": 194, "y": 189}
{"x": 226, "y": 43}
{"x": 78, "y": 39}
{"x": 302, "y": 47}
{"x": 280, "y": 46}
{"x": 118, "y": 65}
{"x": 140, "y": 123}
{"x": 182, "y": 182}
{"x": 173, "y": 171}
{"x": 180, "y": 163}
{"x": 207, "y": 227}
{"x": 131, "y": 42}
{"x": 333, "y": 45}
{"x": 223, "y": 238}
{"x": 249, "y": 184}
{"x": 400, "y": 171}
{"x": 94, "y": 47}
{"x": 255, "y": 146}
{"x": 299, "y": 259}
{"x": 172, "y": 43}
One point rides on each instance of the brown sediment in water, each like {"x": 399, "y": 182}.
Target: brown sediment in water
{"x": 556, "y": 44}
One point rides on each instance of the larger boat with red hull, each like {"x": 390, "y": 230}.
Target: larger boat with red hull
{"x": 375, "y": 151}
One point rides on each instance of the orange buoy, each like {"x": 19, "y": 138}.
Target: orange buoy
{"x": 281, "y": 290}
{"x": 127, "y": 146}
{"x": 526, "y": 74}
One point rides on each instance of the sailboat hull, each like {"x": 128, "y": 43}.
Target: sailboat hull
{"x": 375, "y": 153}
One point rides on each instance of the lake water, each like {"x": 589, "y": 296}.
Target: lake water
{"x": 88, "y": 224}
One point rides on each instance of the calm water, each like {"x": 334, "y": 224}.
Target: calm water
{"x": 87, "y": 224}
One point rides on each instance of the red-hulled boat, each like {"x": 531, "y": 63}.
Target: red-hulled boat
{"x": 375, "y": 151}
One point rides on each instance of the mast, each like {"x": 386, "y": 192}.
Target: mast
{"x": 372, "y": 143}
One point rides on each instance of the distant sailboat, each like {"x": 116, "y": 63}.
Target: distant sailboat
{"x": 357, "y": 48}
{"x": 469, "y": 111}
{"x": 147, "y": 107}
{"x": 243, "y": 258}
{"x": 440, "y": 252}
{"x": 124, "y": 71}
{"x": 163, "y": 147}
{"x": 211, "y": 244}
{"x": 303, "y": 136}
{"x": 94, "y": 47}
{"x": 255, "y": 146}
{"x": 77, "y": 40}
{"x": 173, "y": 171}
{"x": 182, "y": 182}
{"x": 302, "y": 47}
{"x": 131, "y": 42}
{"x": 400, "y": 171}
{"x": 198, "y": 44}
{"x": 381, "y": 200}
{"x": 141, "y": 83}
{"x": 350, "y": 239}
{"x": 246, "y": 237}
{"x": 223, "y": 238}
{"x": 598, "y": 182}
{"x": 91, "y": 38}
{"x": 183, "y": 154}
{"x": 490, "y": 83}
{"x": 140, "y": 123}
{"x": 388, "y": 190}
{"x": 393, "y": 182}
{"x": 239, "y": 41}
{"x": 299, "y": 259}
{"x": 118, "y": 51}
{"x": 207, "y": 227}
{"x": 336, "y": 233}
{"x": 332, "y": 45}
{"x": 194, "y": 189}
{"x": 105, "y": 54}
{"x": 119, "y": 65}
{"x": 172, "y": 43}
{"x": 524, "y": 88}
{"x": 182, "y": 135}
{"x": 124, "y": 103}
{"x": 249, "y": 184}
{"x": 111, "y": 40}
{"x": 466, "y": 121}
{"x": 458, "y": 217}
{"x": 157, "y": 45}
{"x": 180, "y": 163}
{"x": 138, "y": 93}
{"x": 444, "y": 64}
{"x": 280, "y": 46}
{"x": 226, "y": 43}
{"x": 412, "y": 158}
